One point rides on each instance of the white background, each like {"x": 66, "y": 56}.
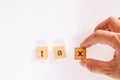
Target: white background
{"x": 23, "y": 22}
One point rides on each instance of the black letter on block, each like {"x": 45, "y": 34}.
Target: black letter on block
{"x": 80, "y": 53}
{"x": 59, "y": 53}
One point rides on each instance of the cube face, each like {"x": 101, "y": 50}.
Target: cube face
{"x": 42, "y": 53}
{"x": 80, "y": 53}
{"x": 59, "y": 52}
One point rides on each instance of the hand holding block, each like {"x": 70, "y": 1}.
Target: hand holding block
{"x": 42, "y": 53}
{"x": 59, "y": 52}
{"x": 80, "y": 53}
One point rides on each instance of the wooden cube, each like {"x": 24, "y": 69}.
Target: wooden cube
{"x": 59, "y": 52}
{"x": 80, "y": 53}
{"x": 42, "y": 53}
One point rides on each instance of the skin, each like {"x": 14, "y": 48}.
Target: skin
{"x": 107, "y": 32}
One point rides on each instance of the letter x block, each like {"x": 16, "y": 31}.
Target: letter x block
{"x": 42, "y": 53}
{"x": 80, "y": 53}
{"x": 59, "y": 52}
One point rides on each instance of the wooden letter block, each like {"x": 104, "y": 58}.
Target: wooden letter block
{"x": 42, "y": 53}
{"x": 59, "y": 52}
{"x": 80, "y": 53}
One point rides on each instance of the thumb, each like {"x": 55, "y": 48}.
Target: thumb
{"x": 97, "y": 66}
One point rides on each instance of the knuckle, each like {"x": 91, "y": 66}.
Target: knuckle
{"x": 109, "y": 71}
{"x": 111, "y": 19}
{"x": 97, "y": 33}
{"x": 115, "y": 40}
{"x": 113, "y": 70}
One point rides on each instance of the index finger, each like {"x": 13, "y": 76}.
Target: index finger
{"x": 103, "y": 37}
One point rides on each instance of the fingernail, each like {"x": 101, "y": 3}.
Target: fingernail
{"x": 83, "y": 45}
{"x": 83, "y": 63}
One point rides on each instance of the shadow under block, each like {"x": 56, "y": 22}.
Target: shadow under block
{"x": 80, "y": 53}
{"x": 59, "y": 52}
{"x": 42, "y": 53}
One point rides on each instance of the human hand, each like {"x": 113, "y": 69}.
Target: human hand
{"x": 107, "y": 32}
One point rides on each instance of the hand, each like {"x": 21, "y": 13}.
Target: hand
{"x": 107, "y": 32}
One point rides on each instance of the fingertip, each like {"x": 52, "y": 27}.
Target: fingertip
{"x": 81, "y": 44}
{"x": 87, "y": 64}
{"x": 85, "y": 45}
{"x": 83, "y": 63}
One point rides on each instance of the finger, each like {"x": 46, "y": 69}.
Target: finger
{"x": 118, "y": 17}
{"x": 110, "y": 24}
{"x": 103, "y": 37}
{"x": 102, "y": 26}
{"x": 98, "y": 66}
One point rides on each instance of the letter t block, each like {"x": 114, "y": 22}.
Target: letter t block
{"x": 42, "y": 53}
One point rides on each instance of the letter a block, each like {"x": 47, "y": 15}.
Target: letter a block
{"x": 80, "y": 53}
{"x": 42, "y": 53}
{"x": 59, "y": 52}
